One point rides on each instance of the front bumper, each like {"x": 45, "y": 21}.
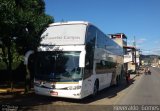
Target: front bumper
{"x": 75, "y": 94}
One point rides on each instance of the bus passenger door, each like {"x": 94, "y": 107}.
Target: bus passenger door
{"x": 87, "y": 84}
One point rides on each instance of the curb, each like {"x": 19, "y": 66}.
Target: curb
{"x": 134, "y": 76}
{"x": 3, "y": 91}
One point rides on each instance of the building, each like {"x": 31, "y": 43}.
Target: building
{"x": 133, "y": 60}
{"x": 131, "y": 54}
{"x": 121, "y": 39}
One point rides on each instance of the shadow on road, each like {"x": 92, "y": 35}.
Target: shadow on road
{"x": 110, "y": 92}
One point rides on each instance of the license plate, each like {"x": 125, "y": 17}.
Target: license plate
{"x": 53, "y": 93}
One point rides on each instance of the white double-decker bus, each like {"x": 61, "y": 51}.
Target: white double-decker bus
{"x": 76, "y": 60}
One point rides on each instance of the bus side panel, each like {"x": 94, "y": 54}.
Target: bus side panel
{"x": 105, "y": 80}
{"x": 87, "y": 86}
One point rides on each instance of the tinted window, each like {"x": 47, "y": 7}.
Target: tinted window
{"x": 91, "y": 36}
{"x": 105, "y": 42}
{"x": 105, "y": 67}
{"x": 58, "y": 66}
{"x": 101, "y": 40}
{"x": 90, "y": 46}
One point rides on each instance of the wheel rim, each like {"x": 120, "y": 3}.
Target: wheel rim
{"x": 95, "y": 89}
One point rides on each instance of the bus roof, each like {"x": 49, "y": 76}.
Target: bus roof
{"x": 69, "y": 22}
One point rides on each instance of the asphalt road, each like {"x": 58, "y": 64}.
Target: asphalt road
{"x": 145, "y": 91}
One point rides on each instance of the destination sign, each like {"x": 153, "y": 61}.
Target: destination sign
{"x": 64, "y": 35}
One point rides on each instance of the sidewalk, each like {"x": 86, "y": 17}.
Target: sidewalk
{"x": 15, "y": 90}
{"x": 132, "y": 76}
{"x": 3, "y": 91}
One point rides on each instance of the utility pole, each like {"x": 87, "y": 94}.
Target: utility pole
{"x": 134, "y": 44}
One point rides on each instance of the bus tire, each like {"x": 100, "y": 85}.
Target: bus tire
{"x": 117, "y": 80}
{"x": 95, "y": 88}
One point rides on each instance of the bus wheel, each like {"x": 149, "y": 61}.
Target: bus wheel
{"x": 117, "y": 80}
{"x": 95, "y": 88}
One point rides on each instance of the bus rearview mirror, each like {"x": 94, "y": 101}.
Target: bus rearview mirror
{"x": 82, "y": 59}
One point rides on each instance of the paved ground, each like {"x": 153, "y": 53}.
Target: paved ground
{"x": 145, "y": 91}
{"x": 108, "y": 96}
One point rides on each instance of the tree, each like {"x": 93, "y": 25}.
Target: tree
{"x": 7, "y": 25}
{"x": 22, "y": 23}
{"x": 32, "y": 21}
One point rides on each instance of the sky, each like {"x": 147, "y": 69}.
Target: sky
{"x": 134, "y": 18}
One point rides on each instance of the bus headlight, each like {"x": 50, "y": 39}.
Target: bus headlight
{"x": 74, "y": 87}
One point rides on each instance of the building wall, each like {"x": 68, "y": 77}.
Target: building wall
{"x": 118, "y": 41}
{"x": 131, "y": 66}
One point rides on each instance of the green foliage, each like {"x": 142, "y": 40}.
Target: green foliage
{"x": 4, "y": 57}
{"x": 21, "y": 24}
{"x": 2, "y": 65}
{"x": 23, "y": 20}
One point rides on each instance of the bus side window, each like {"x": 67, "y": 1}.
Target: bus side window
{"x": 105, "y": 67}
{"x": 90, "y": 46}
{"x": 88, "y": 69}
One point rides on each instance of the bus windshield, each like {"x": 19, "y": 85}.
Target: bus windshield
{"x": 58, "y": 66}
